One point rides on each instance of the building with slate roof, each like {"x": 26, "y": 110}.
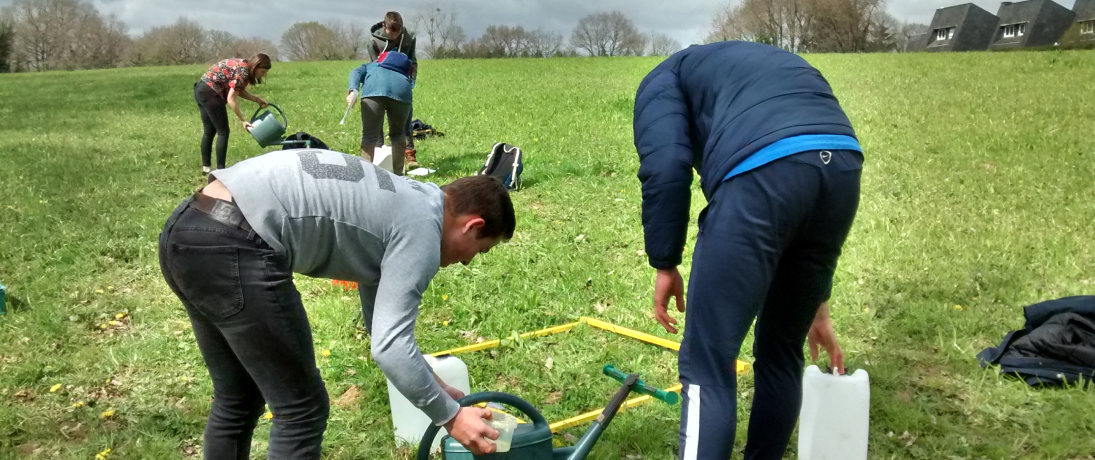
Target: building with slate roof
{"x": 1085, "y": 18}
{"x": 1030, "y": 23}
{"x": 964, "y": 27}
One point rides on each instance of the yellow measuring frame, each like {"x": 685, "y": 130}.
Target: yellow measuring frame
{"x": 742, "y": 366}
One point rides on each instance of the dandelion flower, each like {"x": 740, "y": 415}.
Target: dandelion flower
{"x": 54, "y": 388}
{"x": 326, "y": 353}
{"x": 107, "y": 413}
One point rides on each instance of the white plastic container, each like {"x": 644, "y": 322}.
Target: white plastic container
{"x": 505, "y": 424}
{"x": 409, "y": 422}
{"x": 382, "y": 156}
{"x": 835, "y": 416}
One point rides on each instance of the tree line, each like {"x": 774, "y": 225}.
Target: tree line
{"x": 814, "y": 26}
{"x": 40, "y": 35}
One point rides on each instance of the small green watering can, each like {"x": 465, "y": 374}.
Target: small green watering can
{"x": 532, "y": 441}
{"x": 267, "y": 130}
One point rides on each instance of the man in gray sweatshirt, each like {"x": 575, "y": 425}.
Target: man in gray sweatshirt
{"x": 229, "y": 253}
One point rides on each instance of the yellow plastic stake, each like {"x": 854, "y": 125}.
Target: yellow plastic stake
{"x": 494, "y": 343}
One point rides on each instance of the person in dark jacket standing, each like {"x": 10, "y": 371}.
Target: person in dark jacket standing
{"x": 779, "y": 164}
{"x": 389, "y": 35}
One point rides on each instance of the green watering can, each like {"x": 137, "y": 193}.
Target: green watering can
{"x": 267, "y": 130}
{"x": 532, "y": 441}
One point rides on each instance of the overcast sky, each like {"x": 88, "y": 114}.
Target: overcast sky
{"x": 685, "y": 20}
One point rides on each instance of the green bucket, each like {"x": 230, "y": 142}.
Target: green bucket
{"x": 3, "y": 308}
{"x": 266, "y": 129}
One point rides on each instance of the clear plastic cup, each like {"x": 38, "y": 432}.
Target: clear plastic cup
{"x": 505, "y": 424}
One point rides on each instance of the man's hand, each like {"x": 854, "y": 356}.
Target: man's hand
{"x": 822, "y": 334}
{"x": 468, "y": 429}
{"x": 668, "y": 283}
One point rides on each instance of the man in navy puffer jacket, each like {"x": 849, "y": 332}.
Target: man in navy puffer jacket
{"x": 780, "y": 167}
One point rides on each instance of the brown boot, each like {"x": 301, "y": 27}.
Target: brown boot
{"x": 412, "y": 162}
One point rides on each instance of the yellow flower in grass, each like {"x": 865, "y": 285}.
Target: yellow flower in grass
{"x": 444, "y": 297}
{"x": 268, "y": 416}
{"x": 107, "y": 414}
{"x": 78, "y": 405}
{"x": 958, "y": 307}
{"x": 119, "y": 316}
{"x": 326, "y": 353}
{"x": 103, "y": 455}
{"x": 54, "y": 388}
{"x": 444, "y": 323}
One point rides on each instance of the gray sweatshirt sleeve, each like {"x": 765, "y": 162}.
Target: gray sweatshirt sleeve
{"x": 411, "y": 259}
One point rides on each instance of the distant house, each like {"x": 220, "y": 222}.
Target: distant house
{"x": 964, "y": 27}
{"x": 1085, "y": 18}
{"x": 1030, "y": 23}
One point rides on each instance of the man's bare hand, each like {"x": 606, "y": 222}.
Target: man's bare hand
{"x": 823, "y": 335}
{"x": 668, "y": 284}
{"x": 468, "y": 429}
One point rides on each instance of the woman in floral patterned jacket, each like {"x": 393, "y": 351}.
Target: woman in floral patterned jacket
{"x": 217, "y": 90}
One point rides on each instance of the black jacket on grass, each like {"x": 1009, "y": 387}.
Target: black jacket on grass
{"x": 709, "y": 108}
{"x": 1056, "y": 346}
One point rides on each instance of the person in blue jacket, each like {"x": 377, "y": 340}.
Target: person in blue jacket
{"x": 384, "y": 87}
{"x": 779, "y": 164}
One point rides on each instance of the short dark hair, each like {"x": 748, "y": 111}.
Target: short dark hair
{"x": 486, "y": 197}
{"x": 393, "y": 18}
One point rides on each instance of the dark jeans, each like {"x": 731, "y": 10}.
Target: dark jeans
{"x": 768, "y": 245}
{"x": 253, "y": 334}
{"x": 372, "y": 128}
{"x": 214, "y": 112}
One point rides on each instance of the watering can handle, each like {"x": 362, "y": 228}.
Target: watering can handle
{"x": 283, "y": 118}
{"x": 534, "y": 415}
{"x": 642, "y": 387}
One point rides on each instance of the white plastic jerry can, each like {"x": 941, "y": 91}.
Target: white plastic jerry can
{"x": 410, "y": 422}
{"x": 382, "y": 156}
{"x": 835, "y": 416}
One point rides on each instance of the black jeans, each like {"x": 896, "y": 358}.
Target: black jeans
{"x": 253, "y": 333}
{"x": 214, "y": 112}
{"x": 767, "y": 249}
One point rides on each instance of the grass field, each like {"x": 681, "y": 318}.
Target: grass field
{"x": 978, "y": 199}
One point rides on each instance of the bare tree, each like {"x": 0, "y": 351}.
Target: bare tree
{"x": 505, "y": 41}
{"x": 544, "y": 43}
{"x": 350, "y": 39}
{"x": 247, "y": 47}
{"x": 907, "y": 32}
{"x": 441, "y": 30}
{"x": 783, "y": 23}
{"x": 43, "y": 32}
{"x": 310, "y": 41}
{"x": 662, "y": 44}
{"x": 844, "y": 25}
{"x": 219, "y": 44}
{"x": 63, "y": 34}
{"x": 184, "y": 42}
{"x": 608, "y": 34}
{"x": 7, "y": 36}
